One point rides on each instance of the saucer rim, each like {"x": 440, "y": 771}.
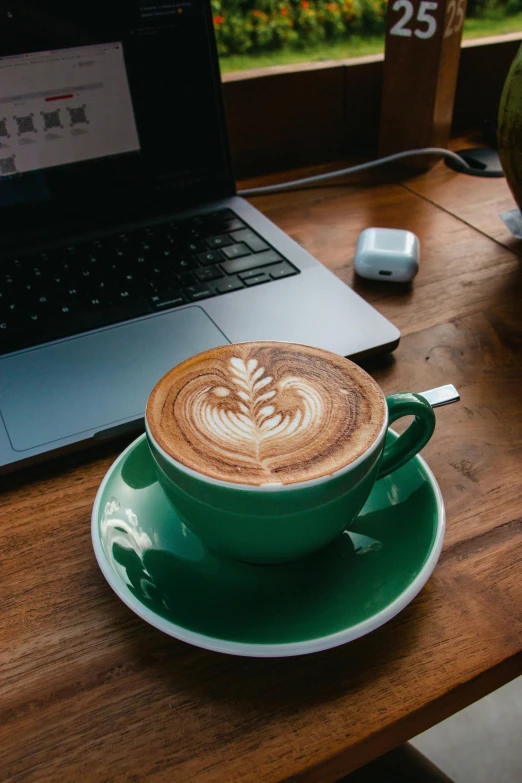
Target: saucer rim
{"x": 272, "y": 650}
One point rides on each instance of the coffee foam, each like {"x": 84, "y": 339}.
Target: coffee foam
{"x": 266, "y": 412}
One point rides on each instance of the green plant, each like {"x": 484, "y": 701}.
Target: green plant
{"x": 477, "y": 8}
{"x": 307, "y": 22}
{"x": 513, "y": 7}
{"x": 332, "y": 20}
{"x": 258, "y": 26}
{"x": 233, "y": 34}
{"x": 373, "y": 16}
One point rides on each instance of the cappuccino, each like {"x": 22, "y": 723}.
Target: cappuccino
{"x": 266, "y": 412}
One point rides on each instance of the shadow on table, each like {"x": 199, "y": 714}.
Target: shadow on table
{"x": 278, "y": 685}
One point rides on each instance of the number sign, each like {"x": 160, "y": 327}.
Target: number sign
{"x": 420, "y": 74}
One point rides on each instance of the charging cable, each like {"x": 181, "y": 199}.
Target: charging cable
{"x": 354, "y": 169}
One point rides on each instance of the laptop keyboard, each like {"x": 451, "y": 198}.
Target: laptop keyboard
{"x": 86, "y": 285}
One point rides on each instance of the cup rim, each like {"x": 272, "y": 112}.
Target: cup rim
{"x": 272, "y": 486}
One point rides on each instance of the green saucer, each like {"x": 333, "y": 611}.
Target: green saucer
{"x": 170, "y": 579}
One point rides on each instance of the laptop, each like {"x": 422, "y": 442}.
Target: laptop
{"x": 124, "y": 248}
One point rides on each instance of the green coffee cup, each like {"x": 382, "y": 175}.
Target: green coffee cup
{"x": 273, "y": 522}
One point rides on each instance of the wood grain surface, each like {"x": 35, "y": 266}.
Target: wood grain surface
{"x": 89, "y": 692}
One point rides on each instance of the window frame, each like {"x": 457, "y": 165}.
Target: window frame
{"x": 292, "y": 116}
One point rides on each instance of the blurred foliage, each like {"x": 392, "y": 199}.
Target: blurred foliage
{"x": 258, "y": 26}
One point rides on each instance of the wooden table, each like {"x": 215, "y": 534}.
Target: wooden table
{"x": 89, "y": 692}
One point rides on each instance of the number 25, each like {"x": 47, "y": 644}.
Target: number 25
{"x": 454, "y": 25}
{"x": 423, "y": 17}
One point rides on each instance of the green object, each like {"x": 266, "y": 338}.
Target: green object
{"x": 360, "y": 44}
{"x": 509, "y": 133}
{"x": 274, "y": 523}
{"x": 398, "y": 452}
{"x": 171, "y": 580}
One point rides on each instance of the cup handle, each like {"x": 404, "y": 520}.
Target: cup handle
{"x": 415, "y": 437}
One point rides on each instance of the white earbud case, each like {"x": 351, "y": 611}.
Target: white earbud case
{"x": 387, "y": 254}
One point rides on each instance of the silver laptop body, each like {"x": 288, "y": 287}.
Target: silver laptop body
{"x": 93, "y": 384}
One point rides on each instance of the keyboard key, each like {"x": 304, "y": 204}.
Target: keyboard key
{"x": 182, "y": 281}
{"x": 69, "y": 253}
{"x": 218, "y": 218}
{"x": 250, "y": 273}
{"x": 57, "y": 282}
{"x": 144, "y": 246}
{"x": 258, "y": 279}
{"x": 150, "y": 287}
{"x": 196, "y": 229}
{"x": 197, "y": 223}
{"x": 167, "y": 254}
{"x": 94, "y": 260}
{"x": 221, "y": 214}
{"x": 72, "y": 294}
{"x": 11, "y": 310}
{"x": 255, "y": 243}
{"x": 123, "y": 294}
{"x": 156, "y": 272}
{"x": 140, "y": 262}
{"x": 64, "y": 310}
{"x": 159, "y": 302}
{"x": 9, "y": 284}
{"x": 209, "y": 273}
{"x": 131, "y": 280}
{"x": 102, "y": 288}
{"x": 225, "y": 221}
{"x": 12, "y": 266}
{"x": 197, "y": 292}
{"x": 96, "y": 302}
{"x": 229, "y": 284}
{"x": 221, "y": 241}
{"x": 185, "y": 264}
{"x": 232, "y": 224}
{"x": 33, "y": 318}
{"x": 194, "y": 247}
{"x": 8, "y": 324}
{"x": 35, "y": 272}
{"x": 236, "y": 251}
{"x": 251, "y": 262}
{"x": 210, "y": 257}
{"x": 282, "y": 270}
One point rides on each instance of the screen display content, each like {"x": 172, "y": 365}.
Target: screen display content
{"x": 66, "y": 106}
{"x": 108, "y": 103}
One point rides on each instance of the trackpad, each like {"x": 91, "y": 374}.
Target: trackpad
{"x": 97, "y": 380}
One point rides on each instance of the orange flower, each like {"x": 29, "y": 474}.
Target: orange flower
{"x": 284, "y": 11}
{"x": 305, "y": 4}
{"x": 219, "y": 20}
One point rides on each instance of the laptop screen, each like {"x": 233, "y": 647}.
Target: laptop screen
{"x": 108, "y": 109}
{"x": 65, "y": 106}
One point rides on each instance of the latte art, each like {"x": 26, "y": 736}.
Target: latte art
{"x": 248, "y": 431}
{"x": 260, "y": 413}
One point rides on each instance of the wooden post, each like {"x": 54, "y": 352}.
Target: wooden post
{"x": 420, "y": 75}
